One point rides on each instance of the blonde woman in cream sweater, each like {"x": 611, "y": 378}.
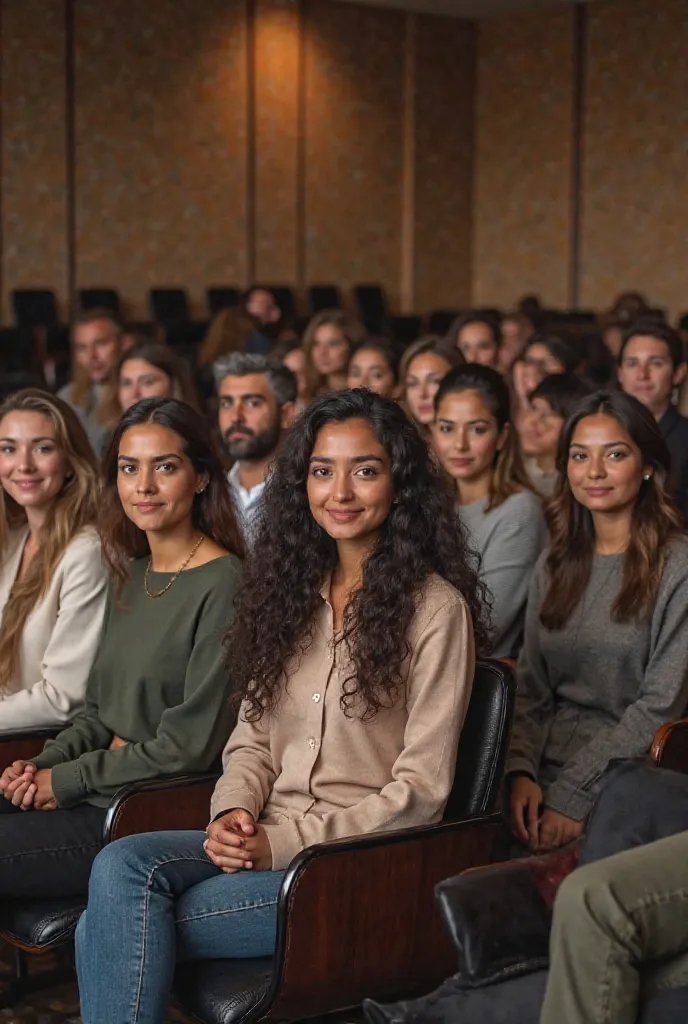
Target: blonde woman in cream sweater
{"x": 52, "y": 579}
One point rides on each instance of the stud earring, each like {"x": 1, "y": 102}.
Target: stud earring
{"x": 199, "y": 490}
{"x": 648, "y": 476}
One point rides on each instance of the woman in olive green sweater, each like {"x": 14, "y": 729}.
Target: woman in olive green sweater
{"x": 157, "y": 696}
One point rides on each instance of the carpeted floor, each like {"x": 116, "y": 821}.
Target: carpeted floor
{"x": 58, "y": 1004}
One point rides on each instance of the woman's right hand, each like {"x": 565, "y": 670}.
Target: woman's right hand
{"x": 225, "y": 842}
{"x": 17, "y": 783}
{"x": 525, "y": 800}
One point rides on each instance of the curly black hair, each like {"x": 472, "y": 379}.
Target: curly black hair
{"x": 291, "y": 555}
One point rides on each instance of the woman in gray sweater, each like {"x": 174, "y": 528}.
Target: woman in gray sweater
{"x": 474, "y": 440}
{"x": 605, "y": 660}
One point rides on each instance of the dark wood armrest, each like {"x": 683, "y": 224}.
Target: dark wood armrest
{"x": 23, "y": 744}
{"x": 161, "y": 805}
{"x": 499, "y": 917}
{"x": 670, "y": 746}
{"x": 357, "y": 917}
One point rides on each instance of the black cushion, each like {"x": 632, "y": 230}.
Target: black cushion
{"x": 42, "y": 923}
{"x": 222, "y": 991}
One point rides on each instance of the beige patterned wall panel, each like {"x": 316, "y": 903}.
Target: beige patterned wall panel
{"x": 34, "y": 166}
{"x": 277, "y": 68}
{"x": 354, "y": 144}
{"x": 160, "y": 145}
{"x": 523, "y": 157}
{"x": 445, "y": 83}
{"x": 635, "y": 185}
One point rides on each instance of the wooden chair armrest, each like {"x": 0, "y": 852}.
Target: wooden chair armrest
{"x": 160, "y": 805}
{"x": 357, "y": 917}
{"x": 670, "y": 746}
{"x": 23, "y": 744}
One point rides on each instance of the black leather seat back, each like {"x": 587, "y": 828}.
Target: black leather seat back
{"x": 221, "y": 297}
{"x": 169, "y": 305}
{"x": 99, "y": 298}
{"x": 323, "y": 296}
{"x": 34, "y": 307}
{"x": 484, "y": 742}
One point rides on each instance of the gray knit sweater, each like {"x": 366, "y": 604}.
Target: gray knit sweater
{"x": 598, "y": 690}
{"x": 507, "y": 540}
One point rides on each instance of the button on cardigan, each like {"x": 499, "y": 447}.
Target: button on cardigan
{"x": 312, "y": 773}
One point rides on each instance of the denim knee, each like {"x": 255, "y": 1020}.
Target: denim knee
{"x": 116, "y": 867}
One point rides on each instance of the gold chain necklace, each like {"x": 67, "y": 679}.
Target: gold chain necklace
{"x": 181, "y": 569}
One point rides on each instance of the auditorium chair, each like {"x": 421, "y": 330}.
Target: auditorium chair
{"x": 169, "y": 307}
{"x": 100, "y": 298}
{"x": 372, "y": 307}
{"x": 34, "y": 307}
{"x": 340, "y": 902}
{"x": 440, "y": 320}
{"x": 499, "y": 919}
{"x": 322, "y": 296}
{"x": 219, "y": 297}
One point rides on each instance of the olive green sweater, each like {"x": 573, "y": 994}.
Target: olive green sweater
{"x": 157, "y": 682}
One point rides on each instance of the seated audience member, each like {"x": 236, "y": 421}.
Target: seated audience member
{"x": 652, "y": 366}
{"x": 477, "y": 338}
{"x": 53, "y": 581}
{"x": 151, "y": 370}
{"x": 477, "y": 446}
{"x": 249, "y": 327}
{"x": 329, "y": 340}
{"x": 515, "y": 329}
{"x": 604, "y": 659}
{"x": 374, "y": 365}
{"x": 257, "y": 403}
{"x": 92, "y": 391}
{"x": 294, "y": 358}
{"x": 157, "y": 698}
{"x": 422, "y": 367}
{"x": 353, "y": 651}
{"x": 542, "y": 356}
{"x": 550, "y": 405}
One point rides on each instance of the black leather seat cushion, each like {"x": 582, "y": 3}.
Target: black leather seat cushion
{"x": 42, "y": 923}
{"x": 222, "y": 991}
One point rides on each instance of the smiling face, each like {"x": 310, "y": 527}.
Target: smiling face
{"x": 330, "y": 350}
{"x": 605, "y": 467}
{"x": 423, "y": 378}
{"x": 349, "y": 488}
{"x": 477, "y": 344}
{"x": 647, "y": 373}
{"x": 466, "y": 437}
{"x": 369, "y": 368}
{"x": 140, "y": 379}
{"x": 33, "y": 467}
{"x": 541, "y": 430}
{"x": 156, "y": 480}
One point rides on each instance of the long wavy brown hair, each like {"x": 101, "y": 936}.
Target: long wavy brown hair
{"x": 508, "y": 472}
{"x": 213, "y": 509}
{"x": 73, "y": 509}
{"x": 291, "y": 556}
{"x": 353, "y": 332}
{"x": 655, "y": 520}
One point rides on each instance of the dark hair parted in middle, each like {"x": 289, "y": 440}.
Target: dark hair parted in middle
{"x": 509, "y": 475}
{"x": 655, "y": 520}
{"x": 213, "y": 511}
{"x": 292, "y": 555}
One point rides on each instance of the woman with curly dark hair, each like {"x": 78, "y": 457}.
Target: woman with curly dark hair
{"x": 157, "y": 696}
{"x": 353, "y": 656}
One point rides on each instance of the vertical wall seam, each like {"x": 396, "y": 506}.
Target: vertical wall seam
{"x": 70, "y": 155}
{"x": 250, "y": 142}
{"x": 301, "y": 128}
{"x": 408, "y": 199}
{"x": 580, "y": 42}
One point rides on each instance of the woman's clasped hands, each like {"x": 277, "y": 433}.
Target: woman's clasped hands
{"x": 236, "y": 843}
{"x": 27, "y": 788}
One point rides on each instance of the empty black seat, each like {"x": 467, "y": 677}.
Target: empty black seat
{"x": 219, "y": 297}
{"x": 372, "y": 306}
{"x": 100, "y": 298}
{"x": 34, "y": 307}
{"x": 169, "y": 305}
{"x": 323, "y": 296}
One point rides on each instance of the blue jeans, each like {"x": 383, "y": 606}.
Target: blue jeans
{"x": 155, "y": 900}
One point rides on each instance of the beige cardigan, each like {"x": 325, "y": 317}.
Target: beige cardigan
{"x": 311, "y": 774}
{"x": 60, "y": 635}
